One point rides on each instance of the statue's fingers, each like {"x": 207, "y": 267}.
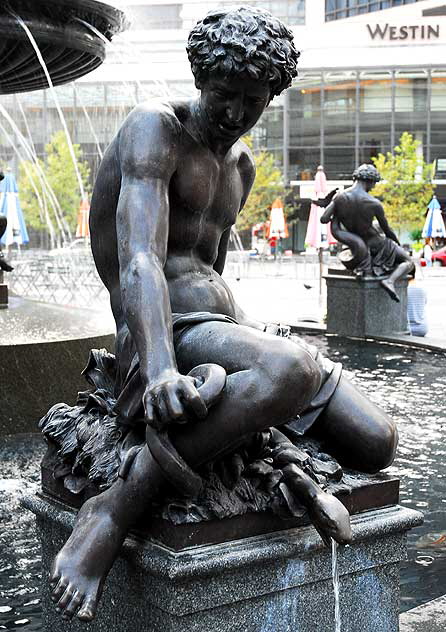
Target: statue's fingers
{"x": 193, "y": 399}
{"x": 150, "y": 411}
{"x": 161, "y": 408}
{"x": 174, "y": 406}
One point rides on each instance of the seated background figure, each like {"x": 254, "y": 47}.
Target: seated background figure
{"x": 193, "y": 377}
{"x": 352, "y": 213}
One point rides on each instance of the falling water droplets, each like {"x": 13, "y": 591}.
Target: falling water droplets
{"x": 335, "y": 574}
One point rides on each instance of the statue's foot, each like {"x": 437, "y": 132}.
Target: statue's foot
{"x": 390, "y": 289}
{"x": 80, "y": 568}
{"x": 331, "y": 519}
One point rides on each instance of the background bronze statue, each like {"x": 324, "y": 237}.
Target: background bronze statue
{"x": 352, "y": 214}
{"x": 193, "y": 378}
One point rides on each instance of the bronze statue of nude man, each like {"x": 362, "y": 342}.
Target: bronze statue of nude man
{"x": 352, "y": 213}
{"x": 167, "y": 193}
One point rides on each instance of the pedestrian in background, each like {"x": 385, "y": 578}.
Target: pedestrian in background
{"x": 416, "y": 308}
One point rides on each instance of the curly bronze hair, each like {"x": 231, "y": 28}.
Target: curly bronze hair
{"x": 366, "y": 172}
{"x": 244, "y": 40}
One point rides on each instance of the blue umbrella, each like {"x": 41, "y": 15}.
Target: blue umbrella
{"x": 16, "y": 232}
{"x": 434, "y": 224}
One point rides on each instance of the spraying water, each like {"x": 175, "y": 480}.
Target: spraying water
{"x": 42, "y": 177}
{"x": 54, "y": 95}
{"x": 335, "y": 574}
{"x": 90, "y": 124}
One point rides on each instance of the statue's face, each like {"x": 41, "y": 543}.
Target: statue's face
{"x": 233, "y": 105}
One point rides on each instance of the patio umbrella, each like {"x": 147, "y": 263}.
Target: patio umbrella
{"x": 277, "y": 227}
{"x": 83, "y": 229}
{"x": 318, "y": 235}
{"x": 16, "y": 232}
{"x": 434, "y": 224}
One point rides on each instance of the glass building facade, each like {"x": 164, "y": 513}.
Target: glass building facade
{"x": 345, "y": 117}
{"x": 340, "y": 9}
{"x": 184, "y": 16}
{"x": 335, "y": 118}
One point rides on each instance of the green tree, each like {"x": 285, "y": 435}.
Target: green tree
{"x": 50, "y": 192}
{"x": 406, "y": 186}
{"x": 267, "y": 187}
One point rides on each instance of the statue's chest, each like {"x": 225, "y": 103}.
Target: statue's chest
{"x": 207, "y": 189}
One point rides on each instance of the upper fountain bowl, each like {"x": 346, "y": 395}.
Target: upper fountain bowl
{"x": 71, "y": 35}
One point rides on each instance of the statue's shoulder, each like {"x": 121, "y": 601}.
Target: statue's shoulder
{"x": 151, "y": 118}
{"x": 151, "y": 134}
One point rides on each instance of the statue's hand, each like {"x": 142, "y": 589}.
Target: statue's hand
{"x": 171, "y": 399}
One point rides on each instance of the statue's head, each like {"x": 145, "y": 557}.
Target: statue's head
{"x": 241, "y": 59}
{"x": 367, "y": 173}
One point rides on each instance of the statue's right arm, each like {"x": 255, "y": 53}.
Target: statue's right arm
{"x": 328, "y": 213}
{"x": 148, "y": 151}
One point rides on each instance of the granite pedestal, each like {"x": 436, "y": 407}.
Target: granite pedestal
{"x": 275, "y": 582}
{"x": 360, "y": 307}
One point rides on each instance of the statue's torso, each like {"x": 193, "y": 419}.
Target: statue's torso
{"x": 205, "y": 194}
{"x": 356, "y": 209}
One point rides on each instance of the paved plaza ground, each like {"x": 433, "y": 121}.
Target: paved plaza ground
{"x": 289, "y": 292}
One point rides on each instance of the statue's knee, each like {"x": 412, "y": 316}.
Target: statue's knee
{"x": 381, "y": 453}
{"x": 295, "y": 378}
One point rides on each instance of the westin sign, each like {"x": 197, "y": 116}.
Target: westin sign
{"x": 414, "y": 32}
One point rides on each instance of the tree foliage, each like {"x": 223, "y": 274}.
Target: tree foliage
{"x": 406, "y": 186}
{"x": 267, "y": 187}
{"x": 50, "y": 192}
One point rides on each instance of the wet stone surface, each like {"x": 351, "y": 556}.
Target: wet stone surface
{"x": 408, "y": 383}
{"x": 20, "y": 557}
{"x": 26, "y": 321}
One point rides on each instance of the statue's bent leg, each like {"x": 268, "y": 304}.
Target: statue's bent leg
{"x": 269, "y": 380}
{"x": 356, "y": 431}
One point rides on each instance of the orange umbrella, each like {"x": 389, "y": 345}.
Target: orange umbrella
{"x": 278, "y": 227}
{"x": 83, "y": 230}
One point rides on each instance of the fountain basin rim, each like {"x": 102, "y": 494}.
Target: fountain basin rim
{"x": 115, "y": 17}
{"x": 425, "y": 343}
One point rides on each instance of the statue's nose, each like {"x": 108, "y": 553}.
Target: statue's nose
{"x": 234, "y": 111}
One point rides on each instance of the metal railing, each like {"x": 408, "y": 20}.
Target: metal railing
{"x": 70, "y": 278}
{"x": 62, "y": 278}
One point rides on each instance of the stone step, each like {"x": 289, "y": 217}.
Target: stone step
{"x": 429, "y": 617}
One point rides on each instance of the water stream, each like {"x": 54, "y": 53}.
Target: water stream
{"x": 335, "y": 575}
{"x": 54, "y": 95}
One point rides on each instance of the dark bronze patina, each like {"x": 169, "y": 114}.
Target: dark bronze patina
{"x": 193, "y": 378}
{"x": 374, "y": 252}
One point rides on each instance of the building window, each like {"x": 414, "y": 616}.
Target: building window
{"x": 339, "y": 9}
{"x": 290, "y": 12}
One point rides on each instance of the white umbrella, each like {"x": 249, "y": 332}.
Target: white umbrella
{"x": 16, "y": 232}
{"x": 434, "y": 224}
